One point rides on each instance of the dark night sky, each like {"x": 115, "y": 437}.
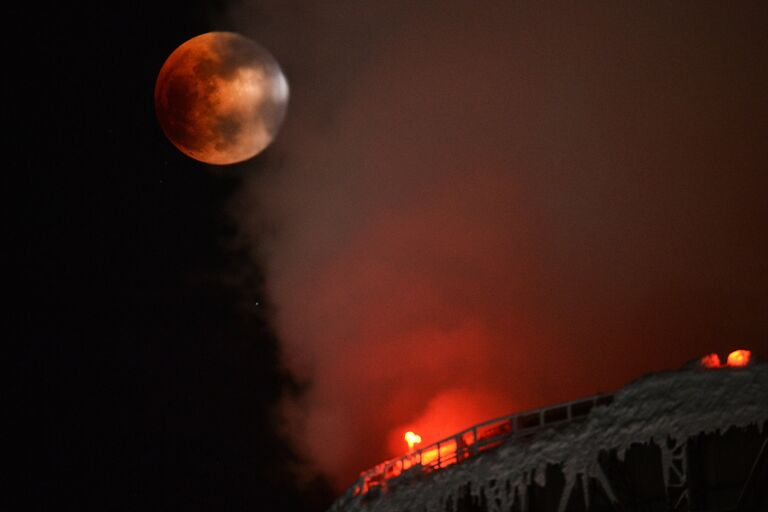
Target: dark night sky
{"x": 148, "y": 380}
{"x": 553, "y": 200}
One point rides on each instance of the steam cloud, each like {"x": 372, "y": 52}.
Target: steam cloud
{"x": 477, "y": 208}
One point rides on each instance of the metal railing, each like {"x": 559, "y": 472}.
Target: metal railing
{"x": 474, "y": 440}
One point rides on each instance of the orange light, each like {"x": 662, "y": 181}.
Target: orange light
{"x": 710, "y": 361}
{"x": 429, "y": 456}
{"x": 739, "y": 358}
{"x": 412, "y": 439}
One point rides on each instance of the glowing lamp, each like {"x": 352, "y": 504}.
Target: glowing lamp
{"x": 739, "y": 357}
{"x": 412, "y": 439}
{"x": 710, "y": 361}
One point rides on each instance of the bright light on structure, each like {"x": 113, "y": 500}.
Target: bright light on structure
{"x": 710, "y": 361}
{"x": 736, "y": 359}
{"x": 412, "y": 439}
{"x": 739, "y": 357}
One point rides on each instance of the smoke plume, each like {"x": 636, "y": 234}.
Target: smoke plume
{"x": 475, "y": 208}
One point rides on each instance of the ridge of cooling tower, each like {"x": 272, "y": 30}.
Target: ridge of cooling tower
{"x": 693, "y": 439}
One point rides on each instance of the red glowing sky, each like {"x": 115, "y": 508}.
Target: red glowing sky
{"x": 474, "y": 211}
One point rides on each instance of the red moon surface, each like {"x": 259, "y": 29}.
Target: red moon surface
{"x": 220, "y": 98}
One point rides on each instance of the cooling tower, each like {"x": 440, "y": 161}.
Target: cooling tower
{"x": 687, "y": 440}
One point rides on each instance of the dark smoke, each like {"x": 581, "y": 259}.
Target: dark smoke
{"x": 480, "y": 207}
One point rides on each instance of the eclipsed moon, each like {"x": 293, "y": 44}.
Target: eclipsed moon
{"x": 220, "y": 98}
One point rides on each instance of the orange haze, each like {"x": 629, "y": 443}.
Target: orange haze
{"x": 472, "y": 211}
